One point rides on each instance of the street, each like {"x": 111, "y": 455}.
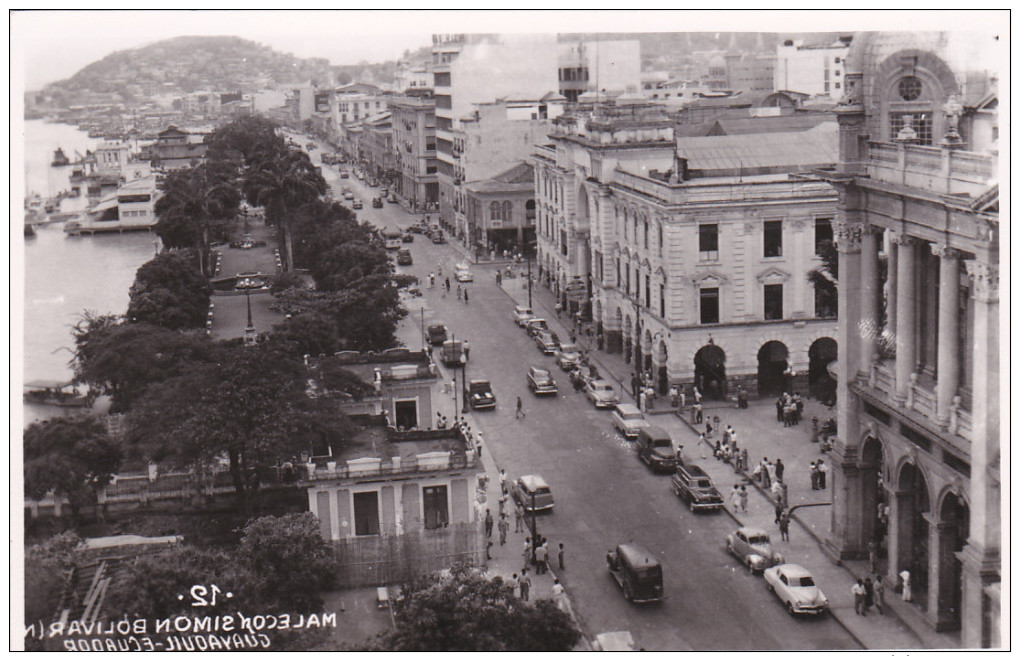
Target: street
{"x": 604, "y": 494}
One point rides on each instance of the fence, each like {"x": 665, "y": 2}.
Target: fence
{"x": 392, "y": 559}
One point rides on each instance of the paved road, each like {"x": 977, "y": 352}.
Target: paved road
{"x": 604, "y": 495}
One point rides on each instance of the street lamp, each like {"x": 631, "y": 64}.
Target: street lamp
{"x": 463, "y": 384}
{"x": 534, "y": 530}
{"x": 250, "y": 334}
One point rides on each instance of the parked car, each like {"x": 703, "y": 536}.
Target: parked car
{"x": 754, "y": 548}
{"x": 418, "y": 227}
{"x": 348, "y": 194}
{"x": 637, "y": 572}
{"x": 344, "y": 175}
{"x": 377, "y": 202}
{"x": 480, "y": 395}
{"x": 407, "y": 238}
{"x": 568, "y": 355}
{"x": 437, "y": 334}
{"x": 463, "y": 273}
{"x": 545, "y": 342}
{"x": 694, "y": 485}
{"x": 391, "y": 199}
{"x": 438, "y": 238}
{"x": 404, "y": 257}
{"x": 580, "y": 375}
{"x": 356, "y": 203}
{"x": 533, "y": 326}
{"x": 796, "y": 588}
{"x": 601, "y": 393}
{"x": 541, "y": 381}
{"x": 532, "y": 493}
{"x": 522, "y": 315}
{"x": 655, "y": 449}
{"x": 452, "y": 353}
{"x": 628, "y": 420}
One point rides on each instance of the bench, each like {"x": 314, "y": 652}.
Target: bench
{"x": 382, "y": 597}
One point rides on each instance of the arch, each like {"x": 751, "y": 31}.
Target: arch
{"x": 508, "y": 211}
{"x": 820, "y": 384}
{"x": 710, "y": 370}
{"x": 954, "y": 531}
{"x": 913, "y": 506}
{"x": 530, "y": 205}
{"x": 874, "y": 502}
{"x": 773, "y": 361}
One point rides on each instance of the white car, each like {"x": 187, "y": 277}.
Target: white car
{"x": 567, "y": 356}
{"x": 601, "y": 393}
{"x": 796, "y": 588}
{"x": 522, "y": 315}
{"x": 463, "y": 273}
{"x": 628, "y": 420}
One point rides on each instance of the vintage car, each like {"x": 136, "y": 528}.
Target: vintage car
{"x": 754, "y": 548}
{"x": 356, "y": 204}
{"x": 540, "y": 381}
{"x": 694, "y": 486}
{"x": 655, "y": 449}
{"x": 462, "y": 272}
{"x": 348, "y": 194}
{"x": 377, "y": 202}
{"x": 437, "y": 334}
{"x": 568, "y": 355}
{"x": 407, "y": 238}
{"x": 545, "y": 342}
{"x": 601, "y": 393}
{"x": 522, "y": 315}
{"x": 628, "y": 420}
{"x": 532, "y": 493}
{"x": 637, "y": 572}
{"x": 796, "y": 588}
{"x": 480, "y": 395}
{"x": 404, "y": 257}
{"x": 535, "y": 325}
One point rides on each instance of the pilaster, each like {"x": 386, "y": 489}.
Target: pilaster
{"x": 906, "y": 314}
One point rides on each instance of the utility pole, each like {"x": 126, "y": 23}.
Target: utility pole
{"x": 529, "y": 281}
{"x": 423, "y": 328}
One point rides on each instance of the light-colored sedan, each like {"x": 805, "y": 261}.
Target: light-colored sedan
{"x": 628, "y": 420}
{"x": 522, "y": 315}
{"x": 463, "y": 273}
{"x": 545, "y": 341}
{"x": 754, "y": 548}
{"x": 567, "y": 356}
{"x": 796, "y": 588}
{"x": 601, "y": 393}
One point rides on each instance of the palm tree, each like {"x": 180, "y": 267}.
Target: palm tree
{"x": 193, "y": 201}
{"x": 283, "y": 181}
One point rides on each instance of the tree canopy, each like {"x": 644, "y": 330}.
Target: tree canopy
{"x": 171, "y": 292}
{"x": 465, "y": 610}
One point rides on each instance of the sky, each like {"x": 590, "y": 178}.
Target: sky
{"x": 53, "y": 45}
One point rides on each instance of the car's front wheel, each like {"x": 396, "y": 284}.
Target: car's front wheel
{"x": 628, "y": 594}
{"x": 789, "y": 608}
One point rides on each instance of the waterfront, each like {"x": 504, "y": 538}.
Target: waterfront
{"x": 41, "y": 139}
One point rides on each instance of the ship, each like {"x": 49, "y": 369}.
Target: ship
{"x": 59, "y": 158}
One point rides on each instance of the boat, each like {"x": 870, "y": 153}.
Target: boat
{"x": 59, "y": 158}
{"x": 55, "y": 392}
{"x": 29, "y": 230}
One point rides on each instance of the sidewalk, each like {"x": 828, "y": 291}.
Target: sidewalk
{"x": 902, "y": 627}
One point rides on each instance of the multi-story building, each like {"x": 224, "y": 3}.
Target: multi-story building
{"x": 812, "y": 69}
{"x": 695, "y": 251}
{"x": 491, "y": 138}
{"x": 414, "y": 151}
{"x": 480, "y": 68}
{"x": 746, "y": 72}
{"x": 413, "y": 75}
{"x": 378, "y": 159}
{"x": 176, "y": 148}
{"x": 613, "y": 66}
{"x": 501, "y": 210}
{"x": 919, "y": 466}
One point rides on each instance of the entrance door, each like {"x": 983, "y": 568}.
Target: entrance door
{"x": 406, "y": 414}
{"x": 820, "y": 383}
{"x": 772, "y": 362}
{"x": 710, "y": 371}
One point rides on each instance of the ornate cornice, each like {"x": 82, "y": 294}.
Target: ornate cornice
{"x": 847, "y": 236}
{"x": 984, "y": 279}
{"x": 945, "y": 252}
{"x": 901, "y": 239}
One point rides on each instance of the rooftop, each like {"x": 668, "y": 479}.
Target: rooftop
{"x": 519, "y": 177}
{"x": 751, "y": 154}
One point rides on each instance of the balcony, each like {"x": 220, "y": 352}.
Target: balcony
{"x": 936, "y": 170}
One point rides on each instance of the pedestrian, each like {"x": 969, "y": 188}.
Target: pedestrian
{"x": 744, "y": 459}
{"x": 784, "y": 495}
{"x": 814, "y": 475}
{"x": 698, "y": 417}
{"x": 735, "y": 497}
{"x": 527, "y": 553}
{"x": 780, "y": 468}
{"x": 515, "y": 586}
{"x": 673, "y": 397}
{"x": 788, "y": 415}
{"x": 488, "y": 523}
{"x": 683, "y": 397}
{"x": 520, "y": 409}
{"x": 504, "y": 526}
{"x": 697, "y": 394}
{"x": 907, "y": 594}
{"x": 869, "y": 593}
{"x": 525, "y": 585}
{"x": 822, "y": 469}
{"x": 478, "y": 444}
{"x": 858, "y": 592}
{"x": 541, "y": 553}
{"x": 880, "y": 595}
{"x": 447, "y": 282}
{"x": 741, "y": 398}
{"x": 779, "y": 509}
{"x": 518, "y": 519}
{"x": 743, "y": 498}
{"x": 770, "y": 467}
{"x": 560, "y": 556}
{"x": 680, "y": 455}
{"x": 633, "y": 385}
{"x": 465, "y": 297}
{"x": 784, "y": 526}
{"x": 557, "y": 592}
{"x": 779, "y": 408}
{"x": 502, "y": 481}
{"x": 467, "y": 350}
{"x": 702, "y": 445}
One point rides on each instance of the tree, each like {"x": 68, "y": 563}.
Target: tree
{"x": 69, "y": 455}
{"x": 246, "y": 138}
{"x": 464, "y": 610}
{"x": 250, "y": 405}
{"x": 46, "y": 568}
{"x": 290, "y": 561}
{"x": 169, "y": 291}
{"x": 825, "y": 279}
{"x": 281, "y": 182}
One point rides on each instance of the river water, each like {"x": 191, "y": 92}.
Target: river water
{"x": 63, "y": 276}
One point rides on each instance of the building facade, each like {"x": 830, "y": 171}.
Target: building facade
{"x": 501, "y": 210}
{"x": 919, "y": 465}
{"x": 811, "y": 69}
{"x": 751, "y": 72}
{"x": 414, "y": 151}
{"x": 599, "y": 66}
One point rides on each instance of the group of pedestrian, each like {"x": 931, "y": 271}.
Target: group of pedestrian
{"x": 789, "y": 408}
{"x": 738, "y": 498}
{"x": 868, "y": 593}
{"x": 818, "y": 472}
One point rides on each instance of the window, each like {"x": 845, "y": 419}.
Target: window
{"x": 599, "y": 272}
{"x": 825, "y": 303}
{"x": 648, "y": 292}
{"x": 920, "y": 122}
{"x": 773, "y": 302}
{"x": 662, "y": 301}
{"x": 430, "y": 145}
{"x": 773, "y": 239}
{"x": 494, "y": 212}
{"x": 710, "y": 305}
{"x": 660, "y": 237}
{"x": 618, "y": 273}
{"x": 823, "y": 234}
{"x": 909, "y": 88}
{"x": 626, "y": 268}
{"x": 563, "y": 242}
{"x": 837, "y": 85}
{"x": 436, "y": 507}
{"x": 646, "y": 232}
{"x": 708, "y": 241}
{"x": 508, "y": 211}
{"x": 366, "y": 513}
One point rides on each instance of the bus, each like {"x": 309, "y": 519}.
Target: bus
{"x": 392, "y": 239}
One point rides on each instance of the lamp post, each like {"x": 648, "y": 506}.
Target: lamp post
{"x": 463, "y": 385}
{"x": 250, "y": 334}
{"x": 529, "y": 281}
{"x": 534, "y": 530}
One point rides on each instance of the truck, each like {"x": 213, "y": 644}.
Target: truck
{"x": 452, "y": 354}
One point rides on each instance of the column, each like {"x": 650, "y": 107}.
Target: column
{"x": 890, "y": 285}
{"x": 906, "y": 314}
{"x": 948, "y": 372}
{"x": 868, "y": 324}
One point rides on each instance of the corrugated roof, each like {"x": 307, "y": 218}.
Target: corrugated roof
{"x": 518, "y": 177}
{"x": 760, "y": 124}
{"x": 762, "y": 153}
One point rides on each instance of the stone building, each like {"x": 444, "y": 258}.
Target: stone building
{"x": 919, "y": 464}
{"x": 693, "y": 252}
{"x": 414, "y": 151}
{"x": 501, "y": 210}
